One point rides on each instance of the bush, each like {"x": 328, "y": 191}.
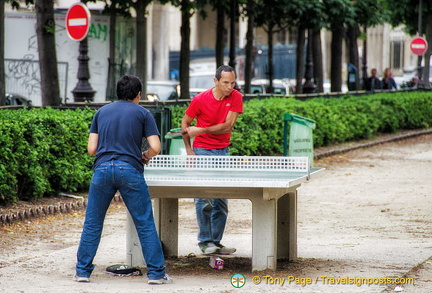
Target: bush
{"x": 259, "y": 130}
{"x": 44, "y": 152}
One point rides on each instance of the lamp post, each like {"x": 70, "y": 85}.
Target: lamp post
{"x": 83, "y": 91}
{"x": 78, "y": 20}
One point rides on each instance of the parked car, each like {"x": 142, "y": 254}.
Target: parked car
{"x": 162, "y": 90}
{"x": 201, "y": 80}
{"x": 261, "y": 86}
{"x": 195, "y": 91}
{"x": 17, "y": 100}
{"x": 405, "y": 79}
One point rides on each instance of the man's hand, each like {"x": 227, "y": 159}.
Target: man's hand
{"x": 194, "y": 131}
{"x": 190, "y": 152}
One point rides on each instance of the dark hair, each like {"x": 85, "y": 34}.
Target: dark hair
{"x": 221, "y": 68}
{"x": 128, "y": 87}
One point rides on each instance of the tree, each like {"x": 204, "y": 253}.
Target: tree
{"x": 221, "y": 7}
{"x": 2, "y": 57}
{"x": 307, "y": 16}
{"x": 272, "y": 16}
{"x": 233, "y": 20}
{"x": 187, "y": 9}
{"x": 249, "y": 49}
{"x": 15, "y": 5}
{"x": 45, "y": 30}
{"x": 367, "y": 13}
{"x": 317, "y": 59}
{"x": 406, "y": 13}
{"x": 338, "y": 13}
{"x": 122, "y": 7}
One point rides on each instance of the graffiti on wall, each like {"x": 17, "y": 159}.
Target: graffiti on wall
{"x": 23, "y": 76}
{"x": 98, "y": 31}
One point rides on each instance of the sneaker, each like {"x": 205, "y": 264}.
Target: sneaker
{"x": 225, "y": 250}
{"x": 208, "y": 248}
{"x": 81, "y": 279}
{"x": 165, "y": 280}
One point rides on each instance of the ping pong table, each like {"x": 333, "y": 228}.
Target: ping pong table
{"x": 270, "y": 183}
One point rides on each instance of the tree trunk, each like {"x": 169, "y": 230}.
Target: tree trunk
{"x": 45, "y": 30}
{"x": 318, "y": 71}
{"x": 426, "y": 72}
{"x": 364, "y": 65}
{"x": 336, "y": 58}
{"x": 111, "y": 88}
{"x": 2, "y": 58}
{"x": 141, "y": 44}
{"x": 185, "y": 49}
{"x": 352, "y": 36}
{"x": 300, "y": 64}
{"x": 270, "y": 58}
{"x": 220, "y": 34}
{"x": 309, "y": 85}
{"x": 233, "y": 16}
{"x": 249, "y": 54}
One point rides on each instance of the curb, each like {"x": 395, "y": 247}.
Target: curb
{"x": 45, "y": 210}
{"x": 373, "y": 143}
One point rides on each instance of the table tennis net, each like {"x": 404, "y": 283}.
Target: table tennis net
{"x": 243, "y": 163}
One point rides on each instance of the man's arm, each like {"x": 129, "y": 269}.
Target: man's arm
{"x": 221, "y": 128}
{"x": 92, "y": 143}
{"x": 185, "y": 125}
{"x": 154, "y": 147}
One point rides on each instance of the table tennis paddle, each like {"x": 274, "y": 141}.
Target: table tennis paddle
{"x": 176, "y": 133}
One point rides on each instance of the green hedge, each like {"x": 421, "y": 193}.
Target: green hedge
{"x": 259, "y": 130}
{"x": 44, "y": 151}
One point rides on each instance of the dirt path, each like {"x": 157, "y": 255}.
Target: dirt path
{"x": 367, "y": 216}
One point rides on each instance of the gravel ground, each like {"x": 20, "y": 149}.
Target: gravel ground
{"x": 366, "y": 218}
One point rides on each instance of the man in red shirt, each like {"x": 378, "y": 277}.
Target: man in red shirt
{"x": 216, "y": 111}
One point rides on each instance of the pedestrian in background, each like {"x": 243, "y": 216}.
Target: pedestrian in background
{"x": 388, "y": 82}
{"x": 373, "y": 82}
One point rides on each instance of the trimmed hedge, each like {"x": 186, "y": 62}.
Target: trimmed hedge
{"x": 44, "y": 151}
{"x": 259, "y": 130}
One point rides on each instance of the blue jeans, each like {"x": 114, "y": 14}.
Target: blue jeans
{"x": 211, "y": 213}
{"x": 107, "y": 179}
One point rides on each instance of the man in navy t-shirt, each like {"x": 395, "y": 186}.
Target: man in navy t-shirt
{"x": 116, "y": 135}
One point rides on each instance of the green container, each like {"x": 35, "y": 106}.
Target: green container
{"x": 176, "y": 146}
{"x": 300, "y": 136}
{"x": 162, "y": 115}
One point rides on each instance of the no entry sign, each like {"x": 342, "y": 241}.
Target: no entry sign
{"x": 418, "y": 46}
{"x": 78, "y": 21}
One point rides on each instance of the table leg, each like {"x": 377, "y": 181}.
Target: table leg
{"x": 166, "y": 221}
{"x": 134, "y": 255}
{"x": 263, "y": 234}
{"x": 287, "y": 226}
{"x": 166, "y": 213}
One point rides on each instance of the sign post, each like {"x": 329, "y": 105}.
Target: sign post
{"x": 78, "y": 20}
{"x": 418, "y": 46}
{"x": 78, "y": 24}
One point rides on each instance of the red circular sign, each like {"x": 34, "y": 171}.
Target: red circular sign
{"x": 78, "y": 21}
{"x": 418, "y": 46}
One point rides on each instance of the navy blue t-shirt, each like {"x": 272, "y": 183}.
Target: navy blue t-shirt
{"x": 121, "y": 127}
